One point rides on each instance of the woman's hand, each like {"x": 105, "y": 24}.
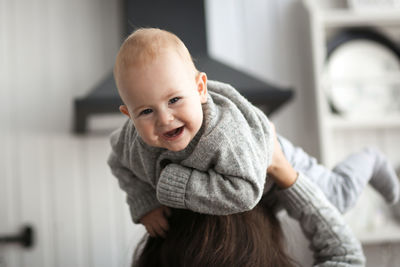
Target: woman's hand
{"x": 156, "y": 222}
{"x": 280, "y": 169}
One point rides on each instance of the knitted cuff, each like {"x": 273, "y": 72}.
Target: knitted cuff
{"x": 171, "y": 186}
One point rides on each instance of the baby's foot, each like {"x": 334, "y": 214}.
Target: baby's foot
{"x": 384, "y": 178}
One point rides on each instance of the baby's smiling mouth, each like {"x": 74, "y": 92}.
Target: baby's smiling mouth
{"x": 173, "y": 133}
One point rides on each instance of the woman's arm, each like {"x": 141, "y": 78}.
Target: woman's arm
{"x": 332, "y": 241}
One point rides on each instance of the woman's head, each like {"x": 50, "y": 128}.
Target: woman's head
{"x": 248, "y": 239}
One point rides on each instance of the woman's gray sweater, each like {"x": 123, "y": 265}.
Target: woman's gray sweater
{"x": 331, "y": 240}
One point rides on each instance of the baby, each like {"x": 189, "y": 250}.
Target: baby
{"x": 196, "y": 144}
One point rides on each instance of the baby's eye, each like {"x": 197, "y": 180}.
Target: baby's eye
{"x": 146, "y": 111}
{"x": 173, "y": 100}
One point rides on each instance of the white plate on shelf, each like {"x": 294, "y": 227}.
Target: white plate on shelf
{"x": 362, "y": 78}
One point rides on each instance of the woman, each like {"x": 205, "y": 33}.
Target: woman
{"x": 254, "y": 238}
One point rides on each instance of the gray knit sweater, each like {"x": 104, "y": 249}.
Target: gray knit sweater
{"x": 222, "y": 170}
{"x": 331, "y": 240}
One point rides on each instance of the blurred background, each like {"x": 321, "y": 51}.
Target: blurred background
{"x": 56, "y": 181}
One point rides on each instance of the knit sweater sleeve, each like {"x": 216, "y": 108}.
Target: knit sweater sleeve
{"x": 332, "y": 241}
{"x": 140, "y": 196}
{"x": 207, "y": 192}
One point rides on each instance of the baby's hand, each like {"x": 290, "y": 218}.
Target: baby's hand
{"x": 278, "y": 158}
{"x": 280, "y": 169}
{"x": 156, "y": 222}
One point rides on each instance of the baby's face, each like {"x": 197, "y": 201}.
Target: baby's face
{"x": 164, "y": 99}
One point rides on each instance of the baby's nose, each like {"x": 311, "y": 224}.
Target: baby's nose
{"x": 165, "y": 118}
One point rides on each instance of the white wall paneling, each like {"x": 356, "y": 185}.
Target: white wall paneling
{"x": 10, "y": 198}
{"x": 61, "y": 185}
{"x": 70, "y": 199}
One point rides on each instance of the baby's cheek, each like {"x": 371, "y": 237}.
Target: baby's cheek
{"x": 147, "y": 137}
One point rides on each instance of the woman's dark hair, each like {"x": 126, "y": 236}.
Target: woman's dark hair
{"x": 248, "y": 239}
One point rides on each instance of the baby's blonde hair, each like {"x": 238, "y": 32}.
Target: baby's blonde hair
{"x": 144, "y": 45}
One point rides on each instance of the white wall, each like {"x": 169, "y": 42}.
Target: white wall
{"x": 52, "y": 51}
{"x": 269, "y": 39}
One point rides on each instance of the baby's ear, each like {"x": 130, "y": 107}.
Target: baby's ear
{"x": 202, "y": 86}
{"x": 124, "y": 110}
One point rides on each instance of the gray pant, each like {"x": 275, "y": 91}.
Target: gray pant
{"x": 342, "y": 185}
